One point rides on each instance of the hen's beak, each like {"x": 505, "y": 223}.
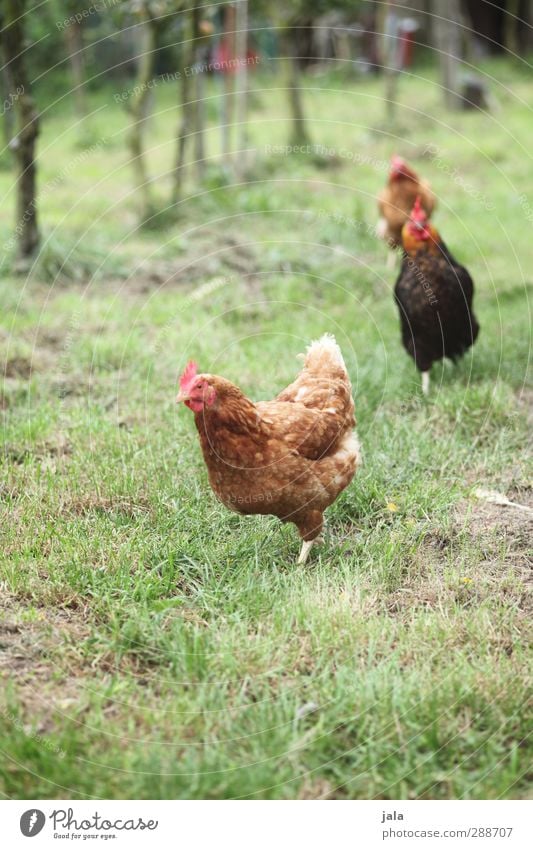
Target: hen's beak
{"x": 181, "y": 396}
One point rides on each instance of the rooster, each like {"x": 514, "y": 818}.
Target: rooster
{"x": 396, "y": 200}
{"x": 434, "y": 296}
{"x": 290, "y": 457}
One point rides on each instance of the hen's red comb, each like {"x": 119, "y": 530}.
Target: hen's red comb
{"x": 189, "y": 373}
{"x": 400, "y": 168}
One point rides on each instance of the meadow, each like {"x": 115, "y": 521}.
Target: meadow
{"x": 155, "y": 645}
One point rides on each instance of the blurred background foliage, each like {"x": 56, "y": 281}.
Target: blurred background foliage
{"x": 60, "y": 53}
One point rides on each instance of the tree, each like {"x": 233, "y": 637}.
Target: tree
{"x": 8, "y": 99}
{"x": 448, "y": 41}
{"x": 241, "y": 94}
{"x": 196, "y": 34}
{"x": 502, "y": 25}
{"x": 198, "y": 102}
{"x": 299, "y": 134}
{"x": 523, "y": 29}
{"x": 233, "y": 49}
{"x": 232, "y": 70}
{"x": 295, "y": 17}
{"x": 185, "y": 121}
{"x": 391, "y": 48}
{"x": 228, "y": 43}
{"x": 74, "y": 43}
{"x": 24, "y": 142}
{"x": 140, "y": 100}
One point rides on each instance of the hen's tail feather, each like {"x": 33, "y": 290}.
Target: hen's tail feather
{"x": 322, "y": 352}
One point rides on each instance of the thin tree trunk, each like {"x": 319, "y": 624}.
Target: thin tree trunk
{"x": 28, "y": 128}
{"x": 199, "y": 126}
{"x": 448, "y": 42}
{"x": 488, "y": 23}
{"x": 9, "y": 96}
{"x": 185, "y": 121}
{"x": 199, "y": 96}
{"x": 522, "y": 27}
{"x": 139, "y": 110}
{"x": 298, "y": 133}
{"x": 192, "y": 119}
{"x": 74, "y": 41}
{"x": 391, "y": 59}
{"x": 241, "y": 83}
{"x": 227, "y": 80}
{"x": 184, "y": 129}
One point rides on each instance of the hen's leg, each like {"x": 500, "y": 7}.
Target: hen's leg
{"x": 309, "y": 525}
{"x": 304, "y": 552}
{"x": 391, "y": 260}
{"x": 425, "y": 382}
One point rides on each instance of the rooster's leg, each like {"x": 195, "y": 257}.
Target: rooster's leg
{"x": 306, "y": 548}
{"x": 425, "y": 382}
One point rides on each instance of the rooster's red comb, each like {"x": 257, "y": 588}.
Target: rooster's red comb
{"x": 189, "y": 373}
{"x": 418, "y": 224}
{"x": 418, "y": 213}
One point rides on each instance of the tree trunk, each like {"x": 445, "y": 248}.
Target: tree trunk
{"x": 448, "y": 42}
{"x": 488, "y": 23}
{"x": 298, "y": 133}
{"x": 199, "y": 126}
{"x": 184, "y": 130}
{"x": 74, "y": 42}
{"x": 28, "y": 128}
{"x": 391, "y": 64}
{"x": 523, "y": 33}
{"x": 227, "y": 80}
{"x": 186, "y": 118}
{"x": 241, "y": 85}
{"x": 198, "y": 106}
{"x": 9, "y": 96}
{"x": 139, "y": 110}
{"x": 391, "y": 61}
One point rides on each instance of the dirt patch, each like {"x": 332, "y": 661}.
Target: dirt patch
{"x": 28, "y": 650}
{"x": 56, "y": 448}
{"x": 205, "y": 258}
{"x": 494, "y": 524}
{"x": 426, "y": 587}
{"x": 52, "y": 340}
{"x": 90, "y": 504}
{"x": 26, "y": 642}
{"x": 525, "y": 403}
{"x": 504, "y": 535}
{"x": 18, "y": 367}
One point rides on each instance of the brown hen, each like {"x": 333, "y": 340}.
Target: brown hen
{"x": 290, "y": 457}
{"x": 396, "y": 200}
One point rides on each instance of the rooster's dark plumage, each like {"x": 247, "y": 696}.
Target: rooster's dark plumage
{"x": 434, "y": 294}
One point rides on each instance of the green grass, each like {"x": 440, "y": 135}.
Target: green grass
{"x": 155, "y": 645}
